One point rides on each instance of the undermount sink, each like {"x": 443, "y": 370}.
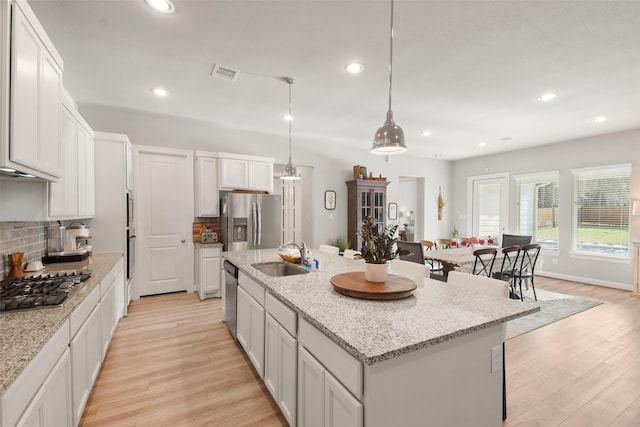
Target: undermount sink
{"x": 279, "y": 268}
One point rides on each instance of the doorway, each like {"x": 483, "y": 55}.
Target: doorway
{"x": 164, "y": 215}
{"x": 488, "y": 205}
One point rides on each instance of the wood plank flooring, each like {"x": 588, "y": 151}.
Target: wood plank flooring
{"x": 172, "y": 362}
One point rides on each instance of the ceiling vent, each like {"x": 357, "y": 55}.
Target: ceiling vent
{"x": 225, "y": 73}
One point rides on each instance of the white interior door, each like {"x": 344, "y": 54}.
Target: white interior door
{"x": 164, "y": 216}
{"x": 488, "y": 205}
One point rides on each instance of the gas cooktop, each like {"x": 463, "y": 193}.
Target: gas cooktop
{"x": 46, "y": 290}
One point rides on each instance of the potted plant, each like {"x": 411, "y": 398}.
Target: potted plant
{"x": 341, "y": 242}
{"x": 378, "y": 247}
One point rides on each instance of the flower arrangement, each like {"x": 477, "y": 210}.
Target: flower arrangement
{"x": 441, "y": 203}
{"x": 378, "y": 246}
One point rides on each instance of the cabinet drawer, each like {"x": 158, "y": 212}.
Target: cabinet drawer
{"x": 80, "y": 314}
{"x": 347, "y": 369}
{"x": 283, "y": 314}
{"x": 211, "y": 252}
{"x": 252, "y": 287}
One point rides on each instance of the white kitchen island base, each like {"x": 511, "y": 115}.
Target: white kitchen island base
{"x": 448, "y": 384}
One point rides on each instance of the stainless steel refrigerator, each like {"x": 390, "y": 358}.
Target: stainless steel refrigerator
{"x": 250, "y": 221}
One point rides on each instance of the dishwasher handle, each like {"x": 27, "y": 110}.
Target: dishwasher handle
{"x": 230, "y": 269}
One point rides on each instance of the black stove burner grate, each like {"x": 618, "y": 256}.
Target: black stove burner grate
{"x": 40, "y": 291}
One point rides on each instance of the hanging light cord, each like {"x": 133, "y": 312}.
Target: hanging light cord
{"x": 290, "y": 82}
{"x": 391, "y": 56}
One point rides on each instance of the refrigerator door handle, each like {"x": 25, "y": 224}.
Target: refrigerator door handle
{"x": 259, "y": 221}
{"x": 254, "y": 219}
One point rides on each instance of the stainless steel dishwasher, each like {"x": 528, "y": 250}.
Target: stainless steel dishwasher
{"x": 230, "y": 296}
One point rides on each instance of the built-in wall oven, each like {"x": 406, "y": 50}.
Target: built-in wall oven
{"x": 131, "y": 237}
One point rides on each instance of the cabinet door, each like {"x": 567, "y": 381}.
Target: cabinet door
{"x": 341, "y": 409}
{"x": 271, "y": 356}
{"x": 79, "y": 371}
{"x": 34, "y": 414}
{"x": 256, "y": 352}
{"x": 108, "y": 312}
{"x": 234, "y": 174}
{"x": 50, "y": 105}
{"x": 86, "y": 174}
{"x": 206, "y": 187}
{"x": 63, "y": 195}
{"x": 56, "y": 399}
{"x": 128, "y": 166}
{"x": 211, "y": 274}
{"x": 310, "y": 390}
{"x": 261, "y": 176}
{"x": 243, "y": 325}
{"x": 25, "y": 72}
{"x": 288, "y": 375}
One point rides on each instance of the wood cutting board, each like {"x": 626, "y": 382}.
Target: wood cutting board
{"x": 354, "y": 285}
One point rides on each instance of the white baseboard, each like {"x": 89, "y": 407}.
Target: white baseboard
{"x": 588, "y": 280}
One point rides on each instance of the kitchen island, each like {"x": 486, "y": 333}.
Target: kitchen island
{"x": 429, "y": 359}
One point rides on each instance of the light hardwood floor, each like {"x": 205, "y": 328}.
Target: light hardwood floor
{"x": 172, "y": 362}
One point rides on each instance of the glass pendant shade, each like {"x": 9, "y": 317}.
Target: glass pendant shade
{"x": 289, "y": 171}
{"x": 389, "y": 138}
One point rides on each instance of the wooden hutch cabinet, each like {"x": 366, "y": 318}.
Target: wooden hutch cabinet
{"x": 365, "y": 197}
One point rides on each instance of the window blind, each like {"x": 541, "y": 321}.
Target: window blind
{"x": 601, "y": 210}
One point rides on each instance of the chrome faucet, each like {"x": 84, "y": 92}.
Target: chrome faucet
{"x": 302, "y": 249}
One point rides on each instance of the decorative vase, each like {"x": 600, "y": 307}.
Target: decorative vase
{"x": 376, "y": 273}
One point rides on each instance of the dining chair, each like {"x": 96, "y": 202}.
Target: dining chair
{"x": 442, "y": 243}
{"x": 488, "y": 286}
{"x": 483, "y": 264}
{"x": 411, "y": 251}
{"x": 434, "y": 265}
{"x": 528, "y": 257}
{"x": 515, "y": 239}
{"x": 330, "y": 249}
{"x": 408, "y": 268}
{"x": 350, "y": 253}
{"x": 509, "y": 264}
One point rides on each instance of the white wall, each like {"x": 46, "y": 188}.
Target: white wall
{"x": 621, "y": 147}
{"x": 332, "y": 163}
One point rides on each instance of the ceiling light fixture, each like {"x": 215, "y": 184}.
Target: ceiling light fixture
{"x": 159, "y": 92}
{"x": 162, "y": 6}
{"x": 288, "y": 117}
{"x": 354, "y": 68}
{"x": 600, "y": 119}
{"x": 425, "y": 133}
{"x": 389, "y": 138}
{"x": 482, "y": 144}
{"x": 289, "y": 171}
{"x": 546, "y": 97}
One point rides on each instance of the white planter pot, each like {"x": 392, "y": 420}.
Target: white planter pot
{"x": 375, "y": 272}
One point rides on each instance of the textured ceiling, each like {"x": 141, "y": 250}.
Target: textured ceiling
{"x": 468, "y": 71}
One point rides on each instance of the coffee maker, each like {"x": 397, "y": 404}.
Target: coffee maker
{"x": 66, "y": 244}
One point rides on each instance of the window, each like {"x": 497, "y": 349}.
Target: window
{"x": 538, "y": 213}
{"x": 601, "y": 211}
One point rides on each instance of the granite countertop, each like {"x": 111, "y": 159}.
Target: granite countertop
{"x": 373, "y": 331}
{"x": 24, "y": 333}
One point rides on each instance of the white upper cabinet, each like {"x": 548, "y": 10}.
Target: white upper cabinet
{"x": 35, "y": 97}
{"x": 239, "y": 172}
{"x": 206, "y": 185}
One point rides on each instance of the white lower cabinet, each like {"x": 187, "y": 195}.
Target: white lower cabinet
{"x": 250, "y": 330}
{"x": 322, "y": 400}
{"x": 208, "y": 267}
{"x": 86, "y": 358}
{"x": 51, "y": 406}
{"x": 109, "y": 316}
{"x": 280, "y": 366}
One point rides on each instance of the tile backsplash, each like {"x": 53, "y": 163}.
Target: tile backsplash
{"x": 27, "y": 237}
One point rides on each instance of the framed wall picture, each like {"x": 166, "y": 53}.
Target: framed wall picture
{"x": 393, "y": 211}
{"x": 329, "y": 200}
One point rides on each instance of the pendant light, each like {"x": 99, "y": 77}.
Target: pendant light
{"x": 389, "y": 138}
{"x": 290, "y": 172}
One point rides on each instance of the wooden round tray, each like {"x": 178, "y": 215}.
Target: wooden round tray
{"x": 354, "y": 285}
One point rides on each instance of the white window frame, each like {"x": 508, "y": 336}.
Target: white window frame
{"x": 530, "y": 177}
{"x": 575, "y": 253}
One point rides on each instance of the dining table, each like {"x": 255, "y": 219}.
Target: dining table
{"x": 462, "y": 258}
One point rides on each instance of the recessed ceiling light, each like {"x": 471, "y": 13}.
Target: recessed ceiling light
{"x": 159, "y": 92}
{"x": 546, "y": 97}
{"x": 287, "y": 117}
{"x": 162, "y": 6}
{"x": 600, "y": 119}
{"x": 425, "y": 133}
{"x": 482, "y": 144}
{"x": 437, "y": 155}
{"x": 354, "y": 68}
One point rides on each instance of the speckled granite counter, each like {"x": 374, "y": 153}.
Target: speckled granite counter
{"x": 23, "y": 333}
{"x": 374, "y": 331}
